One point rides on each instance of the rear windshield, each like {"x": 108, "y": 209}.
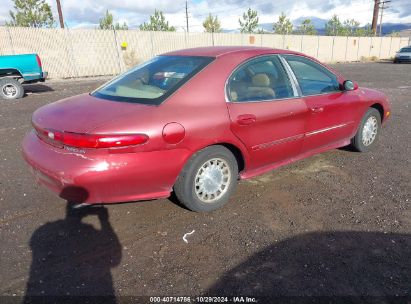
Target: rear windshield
{"x": 153, "y": 81}
{"x": 405, "y": 50}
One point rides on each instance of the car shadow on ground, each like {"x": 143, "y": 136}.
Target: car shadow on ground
{"x": 37, "y": 88}
{"x": 72, "y": 258}
{"x": 331, "y": 264}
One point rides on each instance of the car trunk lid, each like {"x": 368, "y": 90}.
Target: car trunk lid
{"x": 74, "y": 119}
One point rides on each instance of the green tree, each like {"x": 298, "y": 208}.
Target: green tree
{"x": 157, "y": 23}
{"x": 283, "y": 26}
{"x": 106, "y": 23}
{"x": 334, "y": 27}
{"x": 365, "y": 31}
{"x": 31, "y": 13}
{"x": 394, "y": 34}
{"x": 261, "y": 31}
{"x": 250, "y": 21}
{"x": 350, "y": 27}
{"x": 307, "y": 28}
{"x": 212, "y": 24}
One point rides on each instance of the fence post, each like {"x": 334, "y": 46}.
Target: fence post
{"x": 346, "y": 49}
{"x": 318, "y": 46}
{"x": 117, "y": 51}
{"x": 371, "y": 46}
{"x": 301, "y": 45}
{"x": 389, "y": 52}
{"x": 379, "y": 54}
{"x": 332, "y": 50}
{"x": 358, "y": 49}
{"x": 152, "y": 43}
{"x": 71, "y": 51}
{"x": 11, "y": 40}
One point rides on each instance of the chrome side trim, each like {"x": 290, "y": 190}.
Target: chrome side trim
{"x": 297, "y": 137}
{"x": 277, "y": 142}
{"x": 328, "y": 129}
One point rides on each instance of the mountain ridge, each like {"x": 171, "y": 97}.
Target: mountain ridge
{"x": 319, "y": 24}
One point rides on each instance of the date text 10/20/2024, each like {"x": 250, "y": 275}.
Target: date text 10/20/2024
{"x": 203, "y": 299}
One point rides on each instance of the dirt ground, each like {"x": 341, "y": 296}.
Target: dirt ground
{"x": 336, "y": 224}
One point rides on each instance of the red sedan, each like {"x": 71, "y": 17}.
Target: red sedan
{"x": 194, "y": 122}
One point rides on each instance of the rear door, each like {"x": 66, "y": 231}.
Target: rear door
{"x": 266, "y": 113}
{"x": 331, "y": 110}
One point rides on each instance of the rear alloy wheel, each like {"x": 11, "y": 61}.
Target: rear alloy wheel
{"x": 368, "y": 132}
{"x": 11, "y": 89}
{"x": 208, "y": 179}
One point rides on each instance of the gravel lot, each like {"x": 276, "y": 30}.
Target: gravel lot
{"x": 338, "y": 223}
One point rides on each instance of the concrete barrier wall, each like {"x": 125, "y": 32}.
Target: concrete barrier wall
{"x": 90, "y": 52}
{"x": 310, "y": 45}
{"x": 352, "y": 49}
{"x": 325, "y": 49}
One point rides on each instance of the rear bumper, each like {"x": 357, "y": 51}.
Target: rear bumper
{"x": 402, "y": 59}
{"x": 101, "y": 177}
{"x": 44, "y": 76}
{"x": 40, "y": 77}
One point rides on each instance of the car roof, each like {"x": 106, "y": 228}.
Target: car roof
{"x": 218, "y": 51}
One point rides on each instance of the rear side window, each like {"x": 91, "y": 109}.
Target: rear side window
{"x": 312, "y": 77}
{"x": 153, "y": 81}
{"x": 259, "y": 79}
{"x": 405, "y": 50}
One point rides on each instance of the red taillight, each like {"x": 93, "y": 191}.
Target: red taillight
{"x": 103, "y": 141}
{"x": 95, "y": 141}
{"x": 38, "y": 60}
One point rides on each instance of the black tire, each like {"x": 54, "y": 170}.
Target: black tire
{"x": 11, "y": 88}
{"x": 359, "y": 142}
{"x": 186, "y": 189}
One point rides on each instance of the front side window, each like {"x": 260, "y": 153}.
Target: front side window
{"x": 153, "y": 81}
{"x": 312, "y": 77}
{"x": 259, "y": 79}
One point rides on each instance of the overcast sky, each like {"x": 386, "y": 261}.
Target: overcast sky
{"x": 86, "y": 13}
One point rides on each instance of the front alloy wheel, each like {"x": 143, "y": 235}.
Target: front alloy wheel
{"x": 368, "y": 131}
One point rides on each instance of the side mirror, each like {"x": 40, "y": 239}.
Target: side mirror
{"x": 350, "y": 85}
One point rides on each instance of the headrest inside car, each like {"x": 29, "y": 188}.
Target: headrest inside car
{"x": 261, "y": 80}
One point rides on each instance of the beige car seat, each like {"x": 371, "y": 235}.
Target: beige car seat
{"x": 260, "y": 89}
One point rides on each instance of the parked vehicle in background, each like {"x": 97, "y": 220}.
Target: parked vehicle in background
{"x": 403, "y": 55}
{"x": 16, "y": 70}
{"x": 194, "y": 122}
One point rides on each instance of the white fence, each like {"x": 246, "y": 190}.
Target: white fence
{"x": 90, "y": 52}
